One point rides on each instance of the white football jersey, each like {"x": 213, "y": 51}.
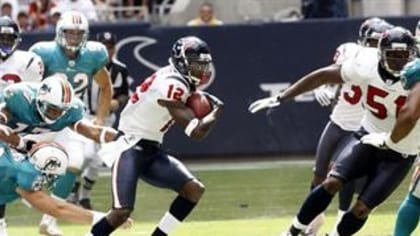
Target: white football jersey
{"x": 21, "y": 66}
{"x": 142, "y": 116}
{"x": 348, "y": 111}
{"x": 382, "y": 100}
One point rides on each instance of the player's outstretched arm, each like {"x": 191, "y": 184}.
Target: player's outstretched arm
{"x": 59, "y": 209}
{"x": 105, "y": 95}
{"x": 100, "y": 134}
{"x": 325, "y": 75}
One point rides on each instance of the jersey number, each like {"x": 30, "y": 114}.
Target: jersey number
{"x": 379, "y": 109}
{"x": 173, "y": 92}
{"x": 81, "y": 81}
{"x": 13, "y": 78}
{"x": 355, "y": 95}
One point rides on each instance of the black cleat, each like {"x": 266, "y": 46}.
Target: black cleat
{"x": 85, "y": 203}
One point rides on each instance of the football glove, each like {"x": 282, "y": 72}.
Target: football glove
{"x": 264, "y": 103}
{"x": 213, "y": 99}
{"x": 324, "y": 96}
{"x": 378, "y": 140}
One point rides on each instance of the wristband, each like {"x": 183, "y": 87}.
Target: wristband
{"x": 103, "y": 134}
{"x": 191, "y": 126}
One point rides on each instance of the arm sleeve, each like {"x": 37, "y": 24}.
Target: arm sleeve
{"x": 29, "y": 181}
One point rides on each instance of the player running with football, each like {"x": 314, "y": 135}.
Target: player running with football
{"x": 157, "y": 103}
{"x": 80, "y": 61}
{"x": 382, "y": 149}
{"x": 344, "y": 119}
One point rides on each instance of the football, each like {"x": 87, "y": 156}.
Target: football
{"x": 199, "y": 104}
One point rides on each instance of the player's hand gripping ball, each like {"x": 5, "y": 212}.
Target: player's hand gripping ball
{"x": 199, "y": 104}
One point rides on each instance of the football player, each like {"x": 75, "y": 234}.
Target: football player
{"x": 409, "y": 213}
{"x": 15, "y": 66}
{"x": 385, "y": 99}
{"x": 49, "y": 106}
{"x": 160, "y": 102}
{"x": 345, "y": 117}
{"x": 119, "y": 78}
{"x": 80, "y": 61}
{"x": 24, "y": 177}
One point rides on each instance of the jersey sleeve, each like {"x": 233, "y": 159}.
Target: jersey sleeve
{"x": 29, "y": 180}
{"x": 34, "y": 69}
{"x": 173, "y": 89}
{"x": 344, "y": 52}
{"x": 410, "y": 75}
{"x": 75, "y": 113}
{"x": 100, "y": 55}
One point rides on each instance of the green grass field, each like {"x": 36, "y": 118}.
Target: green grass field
{"x": 238, "y": 202}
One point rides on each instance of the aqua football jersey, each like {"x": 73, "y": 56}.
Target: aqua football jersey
{"x": 410, "y": 75}
{"x": 20, "y": 102}
{"x": 16, "y": 171}
{"x": 79, "y": 72}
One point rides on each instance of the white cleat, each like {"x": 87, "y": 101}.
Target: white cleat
{"x": 3, "y": 228}
{"x": 314, "y": 227}
{"x": 50, "y": 228}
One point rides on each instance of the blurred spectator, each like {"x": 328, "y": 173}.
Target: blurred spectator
{"x": 135, "y": 13}
{"x": 205, "y": 16}
{"x": 39, "y": 12}
{"x": 9, "y": 8}
{"x": 85, "y": 7}
{"x": 53, "y": 17}
{"x": 104, "y": 11}
{"x": 324, "y": 8}
{"x": 24, "y": 22}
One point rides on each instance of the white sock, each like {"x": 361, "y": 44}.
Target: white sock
{"x": 296, "y": 223}
{"x": 315, "y": 224}
{"x": 168, "y": 223}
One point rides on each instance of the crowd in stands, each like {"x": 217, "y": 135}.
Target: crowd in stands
{"x": 42, "y": 15}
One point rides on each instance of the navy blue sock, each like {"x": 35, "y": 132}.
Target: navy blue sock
{"x": 346, "y": 196}
{"x": 349, "y": 224}
{"x": 181, "y": 208}
{"x": 102, "y": 228}
{"x": 158, "y": 232}
{"x": 317, "y": 201}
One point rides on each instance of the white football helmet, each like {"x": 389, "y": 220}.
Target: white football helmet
{"x": 50, "y": 159}
{"x": 54, "y": 98}
{"x": 72, "y": 20}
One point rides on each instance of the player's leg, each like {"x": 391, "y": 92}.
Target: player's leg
{"x": 74, "y": 146}
{"x": 348, "y": 166}
{"x": 168, "y": 172}
{"x": 89, "y": 175}
{"x": 409, "y": 213}
{"x": 386, "y": 170}
{"x": 125, "y": 172}
{"x": 408, "y": 216}
{"x": 332, "y": 137}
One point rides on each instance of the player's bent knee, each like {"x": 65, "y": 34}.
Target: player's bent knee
{"x": 193, "y": 190}
{"x": 118, "y": 216}
{"x": 360, "y": 210}
{"x": 332, "y": 185}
